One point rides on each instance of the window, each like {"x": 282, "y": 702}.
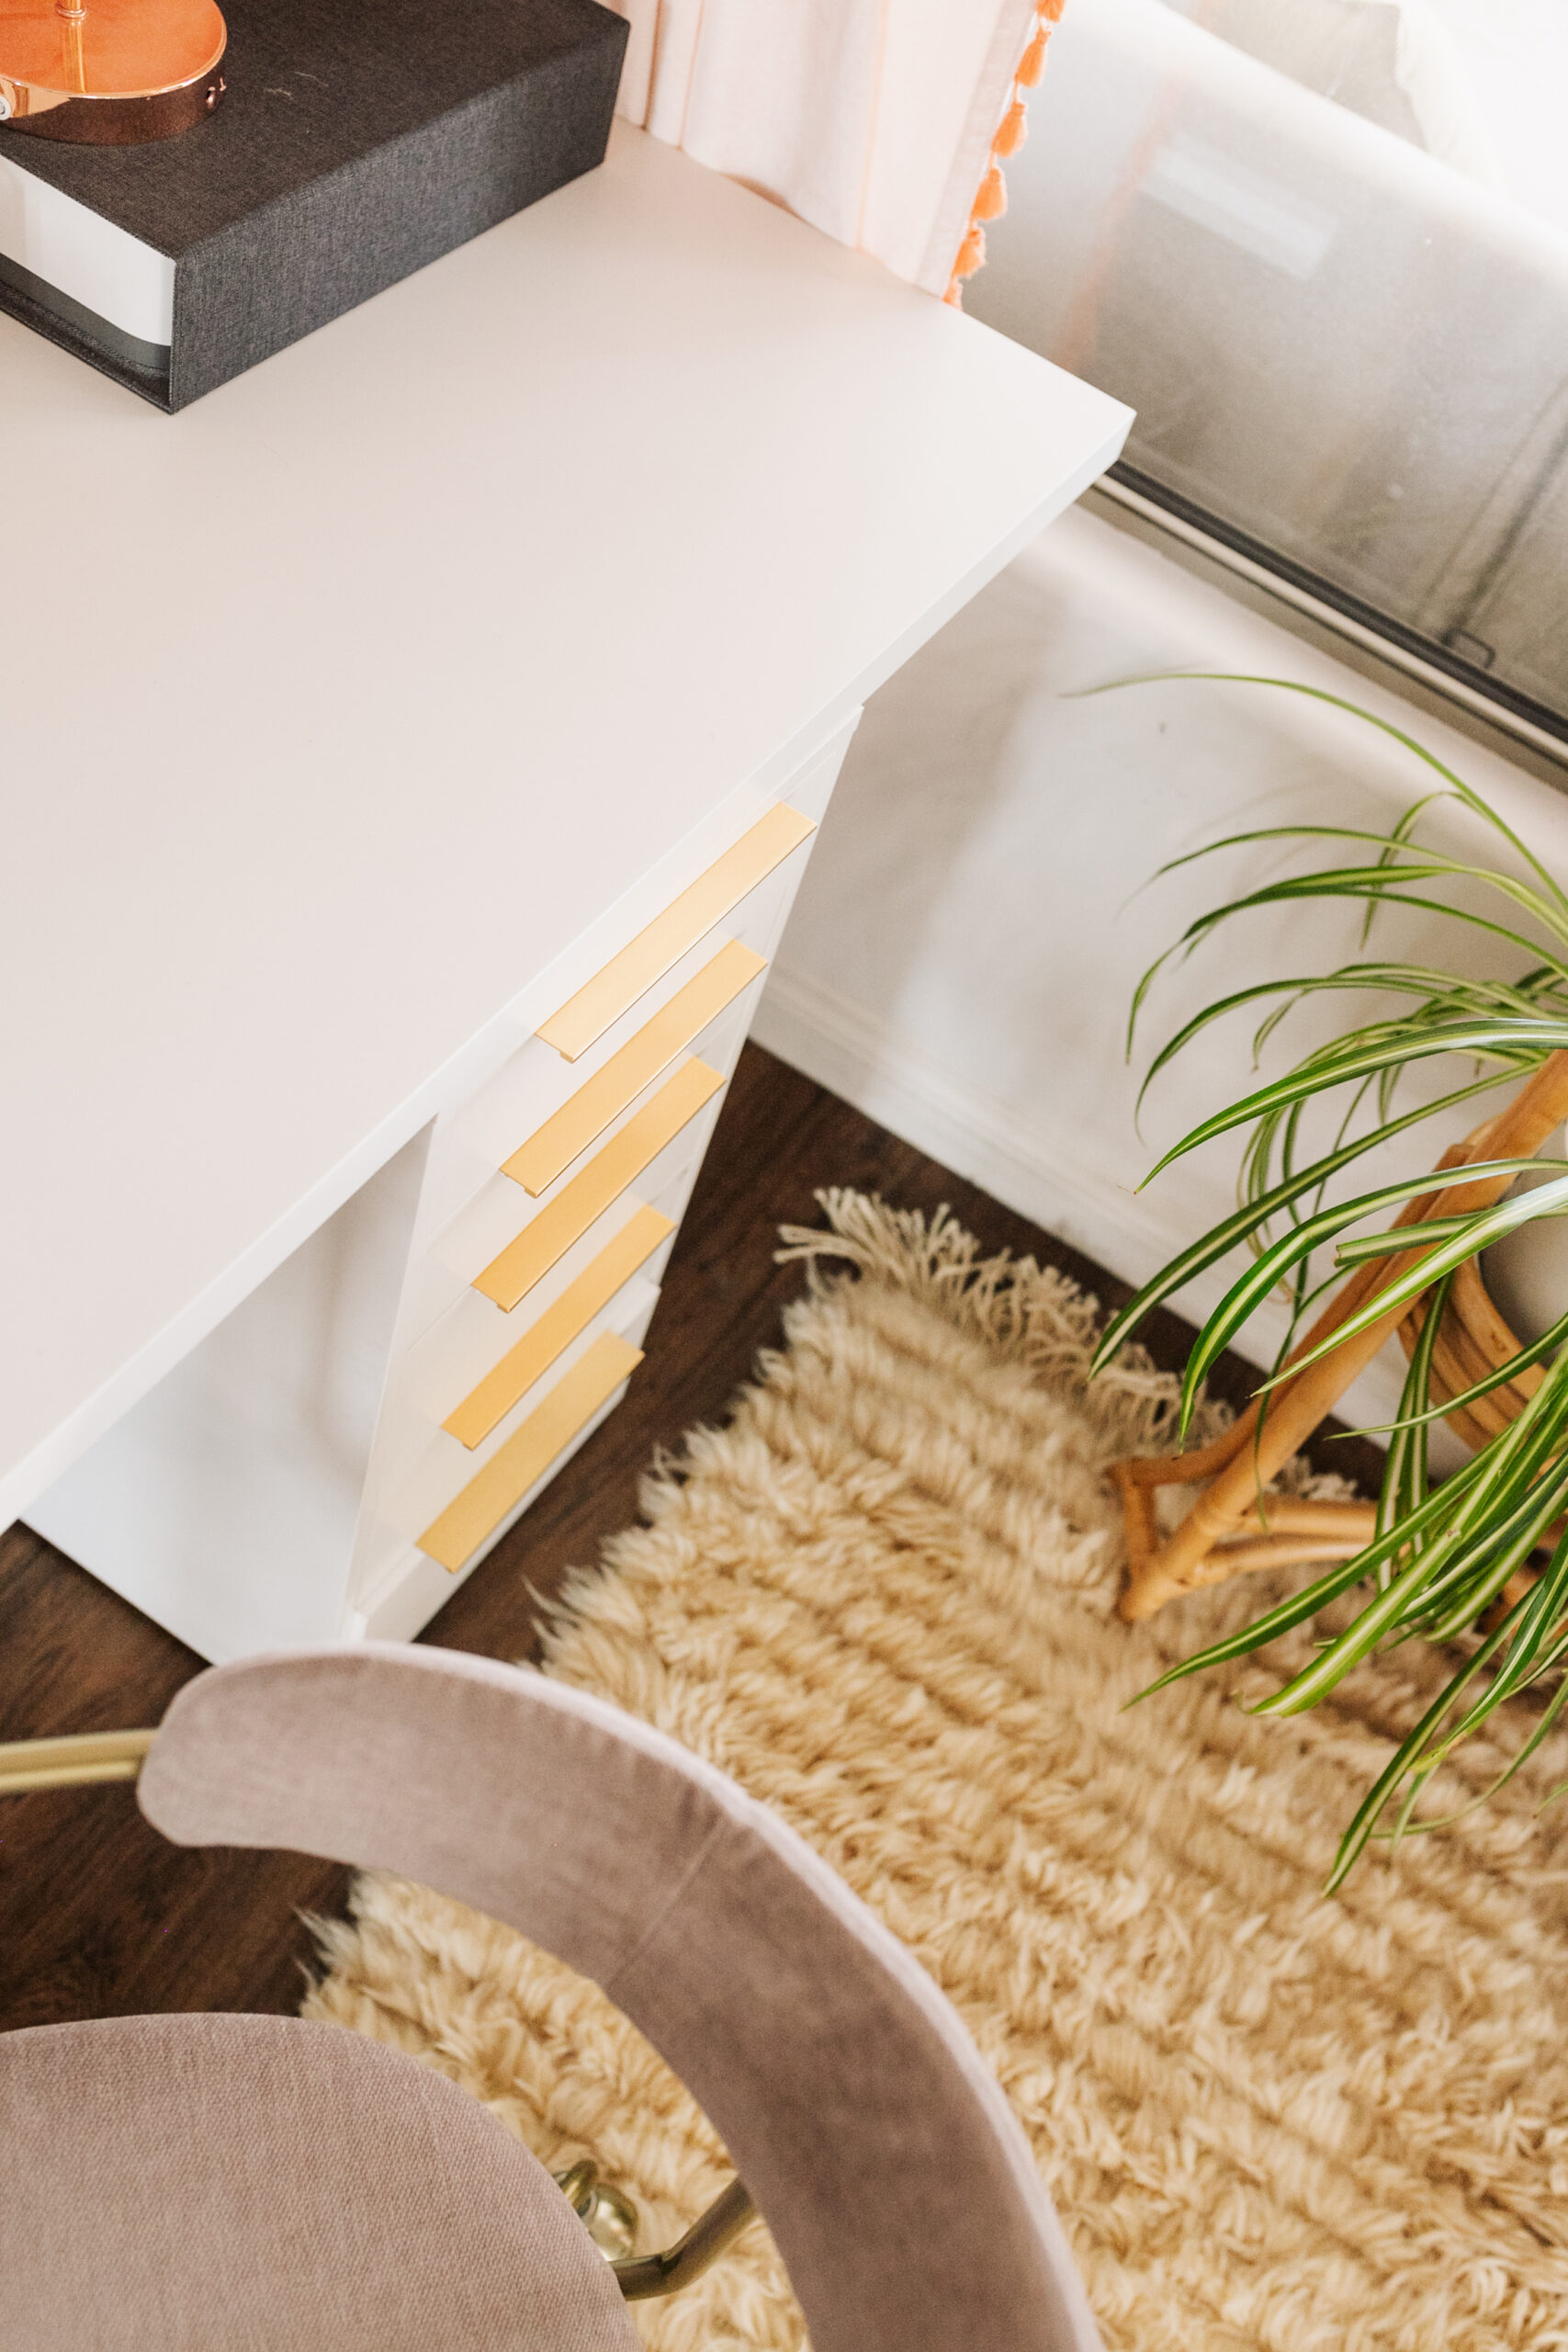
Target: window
{"x": 1322, "y": 247}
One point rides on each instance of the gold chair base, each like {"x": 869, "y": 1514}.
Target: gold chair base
{"x": 611, "y": 2220}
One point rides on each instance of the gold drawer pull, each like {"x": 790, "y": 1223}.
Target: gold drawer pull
{"x": 601, "y": 1099}
{"x": 602, "y": 1000}
{"x": 528, "y": 1452}
{"x": 496, "y": 1394}
{"x": 618, "y": 1164}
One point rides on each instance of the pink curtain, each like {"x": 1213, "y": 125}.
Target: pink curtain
{"x": 876, "y": 120}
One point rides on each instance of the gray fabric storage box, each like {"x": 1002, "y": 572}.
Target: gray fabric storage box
{"x": 359, "y": 139}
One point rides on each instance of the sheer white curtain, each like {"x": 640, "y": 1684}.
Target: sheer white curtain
{"x": 876, "y": 120}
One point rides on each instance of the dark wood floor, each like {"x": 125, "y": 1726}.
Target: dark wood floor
{"x": 98, "y": 1916}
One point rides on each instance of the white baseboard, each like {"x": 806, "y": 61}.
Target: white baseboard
{"x": 893, "y": 1080}
{"x": 1036, "y": 1171}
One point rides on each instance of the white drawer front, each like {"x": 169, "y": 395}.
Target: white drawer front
{"x": 501, "y": 1213}
{"x": 465, "y": 1348}
{"x": 537, "y": 1081}
{"x": 443, "y": 1470}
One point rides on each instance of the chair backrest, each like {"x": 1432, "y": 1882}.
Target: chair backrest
{"x": 897, "y": 2185}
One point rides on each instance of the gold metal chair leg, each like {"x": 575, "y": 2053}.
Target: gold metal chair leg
{"x": 68, "y": 1763}
{"x": 710, "y": 2234}
{"x": 610, "y": 2218}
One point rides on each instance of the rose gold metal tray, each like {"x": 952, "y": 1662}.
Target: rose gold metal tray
{"x": 109, "y": 72}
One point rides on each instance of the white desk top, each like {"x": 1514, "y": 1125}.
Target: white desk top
{"x": 333, "y": 709}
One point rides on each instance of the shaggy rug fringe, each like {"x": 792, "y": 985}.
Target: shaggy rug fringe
{"x": 1027, "y": 1314}
{"x": 881, "y": 1597}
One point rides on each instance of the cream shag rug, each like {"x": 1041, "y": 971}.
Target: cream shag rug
{"x": 881, "y": 1597}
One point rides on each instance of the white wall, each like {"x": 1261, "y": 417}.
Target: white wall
{"x": 964, "y": 946}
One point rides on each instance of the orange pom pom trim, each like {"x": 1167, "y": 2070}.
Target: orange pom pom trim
{"x": 1013, "y": 132}
{"x": 992, "y": 200}
{"x": 1032, "y": 63}
{"x": 991, "y": 197}
{"x": 971, "y": 253}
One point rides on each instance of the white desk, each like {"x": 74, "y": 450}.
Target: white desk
{"x": 350, "y": 721}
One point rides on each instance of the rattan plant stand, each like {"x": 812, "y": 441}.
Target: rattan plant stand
{"x": 1234, "y": 1526}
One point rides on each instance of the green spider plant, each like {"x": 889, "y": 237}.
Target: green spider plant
{"x": 1443, "y": 1551}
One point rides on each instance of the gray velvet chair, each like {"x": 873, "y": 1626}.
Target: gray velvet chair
{"x": 215, "y": 2182}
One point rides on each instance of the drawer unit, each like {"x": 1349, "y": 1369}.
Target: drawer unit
{"x": 585, "y": 1017}
{"x": 583, "y": 1199}
{"x": 397, "y": 1604}
{"x": 595, "y": 1236}
{"x": 600, "y": 1100}
{"x": 487, "y": 1377}
{"x": 435, "y": 1468}
{"x": 501, "y": 1214}
{"x": 466, "y": 1344}
{"x": 538, "y": 1081}
{"x": 419, "y": 1465}
{"x": 477, "y": 1514}
{"x": 490, "y": 1400}
{"x": 550, "y": 1202}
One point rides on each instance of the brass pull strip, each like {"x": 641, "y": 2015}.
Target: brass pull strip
{"x": 489, "y": 1402}
{"x": 71, "y": 1761}
{"x": 619, "y": 1163}
{"x": 602, "y": 1099}
{"x": 528, "y": 1452}
{"x": 644, "y": 961}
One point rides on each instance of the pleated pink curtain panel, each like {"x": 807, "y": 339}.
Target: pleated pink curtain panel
{"x": 876, "y": 120}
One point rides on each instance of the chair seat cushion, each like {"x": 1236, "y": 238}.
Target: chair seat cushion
{"x": 226, "y": 2184}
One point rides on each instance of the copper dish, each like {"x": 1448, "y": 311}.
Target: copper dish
{"x": 109, "y": 72}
